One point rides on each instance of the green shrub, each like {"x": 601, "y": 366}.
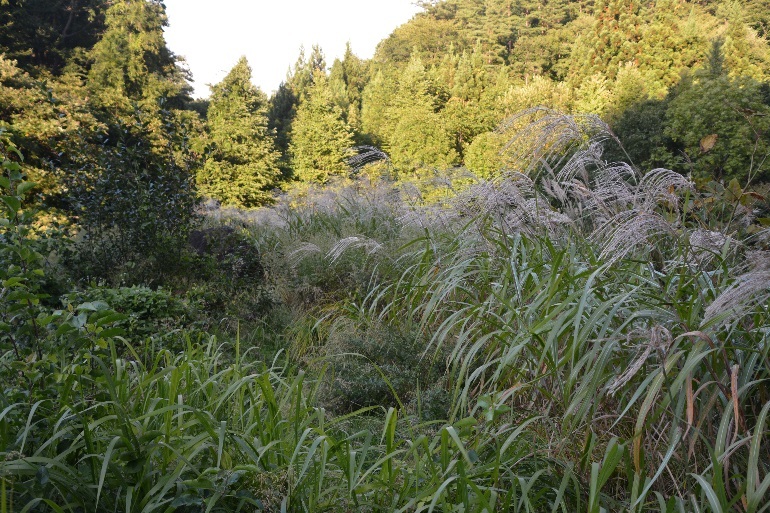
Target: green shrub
{"x": 226, "y": 276}
{"x": 135, "y": 204}
{"x": 148, "y": 312}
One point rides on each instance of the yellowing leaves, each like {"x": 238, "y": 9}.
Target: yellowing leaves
{"x": 708, "y": 143}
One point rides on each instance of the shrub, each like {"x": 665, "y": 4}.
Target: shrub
{"x": 148, "y": 312}
{"x": 135, "y": 203}
{"x": 378, "y": 366}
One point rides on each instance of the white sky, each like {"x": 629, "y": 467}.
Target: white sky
{"x": 212, "y": 35}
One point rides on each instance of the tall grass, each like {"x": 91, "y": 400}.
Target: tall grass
{"x": 620, "y": 309}
{"x": 574, "y": 336}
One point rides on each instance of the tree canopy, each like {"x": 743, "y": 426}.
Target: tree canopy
{"x": 242, "y": 163}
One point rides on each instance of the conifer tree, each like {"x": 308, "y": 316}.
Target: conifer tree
{"x": 612, "y": 42}
{"x": 463, "y": 114}
{"x": 670, "y": 43}
{"x": 243, "y": 165}
{"x": 743, "y": 58}
{"x": 758, "y": 16}
{"x": 419, "y": 137}
{"x": 280, "y": 114}
{"x": 47, "y": 34}
{"x": 305, "y": 71}
{"x": 320, "y": 138}
{"x": 347, "y": 78}
{"x": 282, "y": 108}
{"x": 131, "y": 62}
{"x": 376, "y": 119}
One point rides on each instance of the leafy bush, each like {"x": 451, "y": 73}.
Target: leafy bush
{"x": 148, "y": 312}
{"x": 135, "y": 203}
{"x": 733, "y": 114}
{"x": 226, "y": 277}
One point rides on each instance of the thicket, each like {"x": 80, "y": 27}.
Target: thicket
{"x": 581, "y": 336}
{"x": 574, "y": 320}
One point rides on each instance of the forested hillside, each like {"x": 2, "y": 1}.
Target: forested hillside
{"x": 433, "y": 96}
{"x": 517, "y": 261}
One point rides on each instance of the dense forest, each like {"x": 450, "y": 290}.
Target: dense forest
{"x": 519, "y": 260}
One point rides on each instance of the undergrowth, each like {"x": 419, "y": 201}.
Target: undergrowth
{"x": 575, "y": 335}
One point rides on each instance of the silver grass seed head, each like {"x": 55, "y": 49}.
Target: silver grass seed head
{"x": 357, "y": 241}
{"x": 661, "y": 186}
{"x": 737, "y": 300}
{"x": 301, "y": 251}
{"x": 627, "y": 231}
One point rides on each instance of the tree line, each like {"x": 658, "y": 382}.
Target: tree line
{"x": 84, "y": 84}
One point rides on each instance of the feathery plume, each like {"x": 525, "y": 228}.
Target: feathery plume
{"x": 356, "y": 241}
{"x": 627, "y": 231}
{"x": 300, "y": 252}
{"x": 749, "y": 289}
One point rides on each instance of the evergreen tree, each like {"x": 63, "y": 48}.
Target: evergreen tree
{"x": 305, "y": 71}
{"x": 757, "y": 15}
{"x": 282, "y": 108}
{"x": 464, "y": 115}
{"x": 376, "y": 113}
{"x": 131, "y": 63}
{"x": 348, "y": 78}
{"x": 280, "y": 114}
{"x": 430, "y": 33}
{"x": 48, "y": 33}
{"x": 613, "y": 40}
{"x": 671, "y": 42}
{"x": 242, "y": 165}
{"x": 743, "y": 57}
{"x": 419, "y": 136}
{"x": 320, "y": 138}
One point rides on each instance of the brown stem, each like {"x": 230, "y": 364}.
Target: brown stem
{"x": 72, "y": 9}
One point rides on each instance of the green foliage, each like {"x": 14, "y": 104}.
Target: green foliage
{"x": 563, "y": 335}
{"x": 21, "y": 270}
{"x": 48, "y": 119}
{"x": 30, "y": 329}
{"x": 756, "y": 15}
{"x": 284, "y": 103}
{"x": 348, "y": 78}
{"x": 148, "y": 312}
{"x": 135, "y": 205}
{"x": 732, "y": 109}
{"x": 280, "y": 114}
{"x": 229, "y": 278}
{"x": 377, "y": 366}
{"x": 47, "y": 34}
{"x": 242, "y": 164}
{"x": 581, "y": 337}
{"x": 320, "y": 138}
{"x": 483, "y": 156}
{"x": 640, "y": 131}
{"x": 411, "y": 130}
{"x": 131, "y": 63}
{"x": 745, "y": 54}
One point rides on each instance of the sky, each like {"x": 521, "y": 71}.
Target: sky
{"x": 213, "y": 35}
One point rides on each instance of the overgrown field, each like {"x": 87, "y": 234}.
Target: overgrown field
{"x": 573, "y": 336}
